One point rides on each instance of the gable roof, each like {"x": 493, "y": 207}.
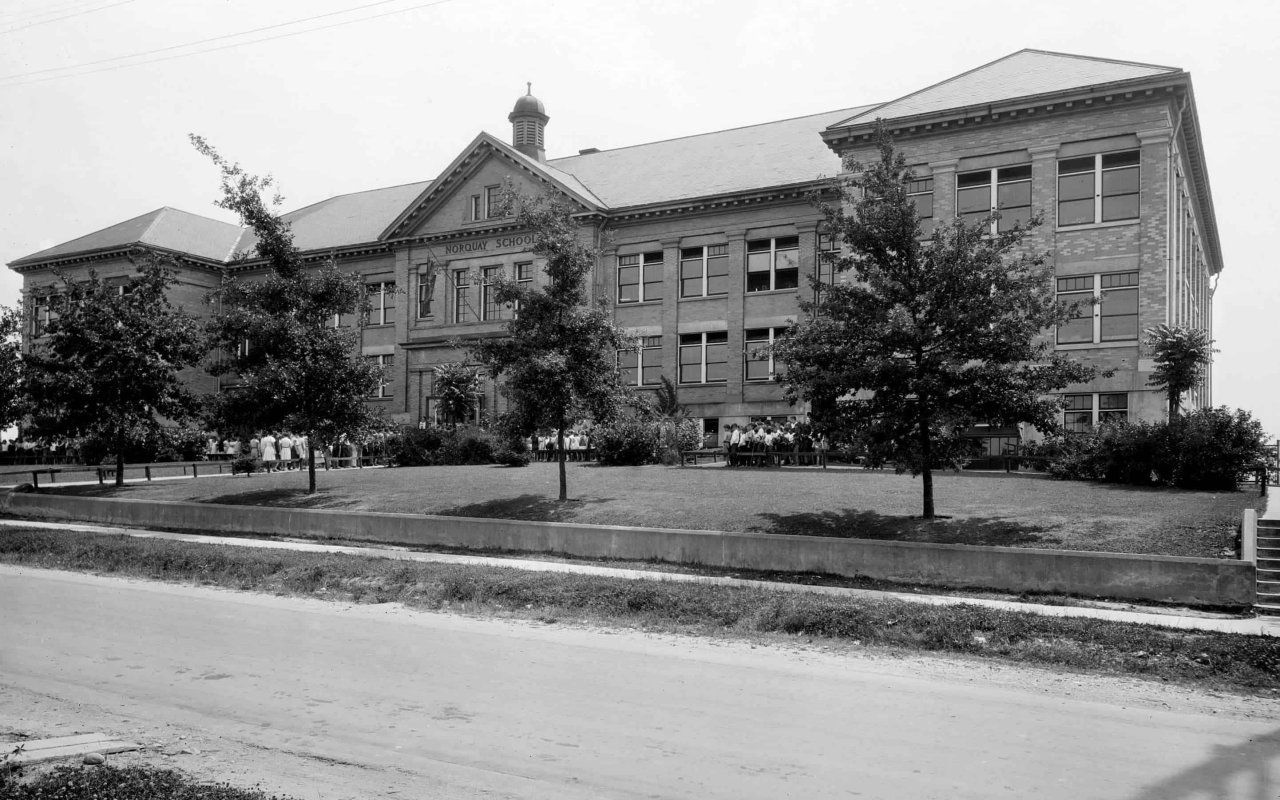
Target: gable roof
{"x": 347, "y": 219}
{"x": 165, "y": 228}
{"x": 1025, "y": 73}
{"x": 777, "y": 153}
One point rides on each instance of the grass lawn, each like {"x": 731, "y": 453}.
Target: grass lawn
{"x": 983, "y": 508}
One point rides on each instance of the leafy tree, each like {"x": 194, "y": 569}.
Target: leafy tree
{"x": 108, "y": 368}
{"x": 1181, "y": 354}
{"x": 558, "y": 360}
{"x": 666, "y": 401}
{"x": 10, "y": 365}
{"x": 296, "y": 371}
{"x": 933, "y": 334}
{"x": 456, "y": 386}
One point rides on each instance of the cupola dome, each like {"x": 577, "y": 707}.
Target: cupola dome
{"x": 528, "y": 120}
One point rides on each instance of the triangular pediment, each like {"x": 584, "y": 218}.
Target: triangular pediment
{"x": 456, "y": 201}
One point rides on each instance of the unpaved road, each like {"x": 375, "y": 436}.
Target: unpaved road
{"x": 327, "y": 700}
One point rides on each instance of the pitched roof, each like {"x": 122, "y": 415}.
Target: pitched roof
{"x": 166, "y": 228}
{"x": 778, "y": 153}
{"x": 1025, "y": 73}
{"x": 346, "y": 219}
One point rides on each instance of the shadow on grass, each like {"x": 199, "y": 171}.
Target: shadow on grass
{"x": 287, "y": 497}
{"x": 854, "y": 524}
{"x": 532, "y": 507}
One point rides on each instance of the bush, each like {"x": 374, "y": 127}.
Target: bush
{"x": 511, "y": 458}
{"x": 673, "y": 435}
{"x": 413, "y": 447}
{"x": 625, "y": 442}
{"x": 1210, "y": 448}
{"x": 419, "y": 447}
{"x": 245, "y": 464}
{"x": 124, "y": 783}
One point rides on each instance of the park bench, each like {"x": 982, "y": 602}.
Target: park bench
{"x": 692, "y": 456}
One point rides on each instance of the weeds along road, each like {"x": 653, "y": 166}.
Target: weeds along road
{"x": 334, "y": 700}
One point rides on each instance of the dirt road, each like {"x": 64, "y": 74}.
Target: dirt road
{"x": 328, "y": 700}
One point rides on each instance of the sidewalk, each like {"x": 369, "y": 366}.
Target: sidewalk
{"x": 1172, "y": 618}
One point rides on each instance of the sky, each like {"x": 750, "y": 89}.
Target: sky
{"x": 97, "y": 98}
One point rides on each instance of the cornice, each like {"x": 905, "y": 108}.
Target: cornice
{"x": 125, "y": 251}
{"x": 1008, "y": 111}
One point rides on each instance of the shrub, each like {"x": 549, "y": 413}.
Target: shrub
{"x": 627, "y": 441}
{"x": 671, "y": 436}
{"x": 418, "y": 447}
{"x": 413, "y": 447}
{"x": 246, "y": 465}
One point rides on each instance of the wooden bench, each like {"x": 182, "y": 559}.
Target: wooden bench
{"x": 692, "y": 456}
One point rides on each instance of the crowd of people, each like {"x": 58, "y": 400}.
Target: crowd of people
{"x": 282, "y": 452}
{"x": 786, "y": 442}
{"x": 577, "y": 445}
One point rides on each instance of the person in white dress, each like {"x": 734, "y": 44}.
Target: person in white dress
{"x": 268, "y": 445}
{"x": 286, "y": 450}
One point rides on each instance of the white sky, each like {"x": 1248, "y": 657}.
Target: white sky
{"x": 371, "y": 102}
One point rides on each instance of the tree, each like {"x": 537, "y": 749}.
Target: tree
{"x": 558, "y": 360}
{"x": 457, "y": 386}
{"x": 297, "y": 371}
{"x": 1181, "y": 355}
{"x": 108, "y": 367}
{"x": 10, "y": 366}
{"x": 932, "y": 336}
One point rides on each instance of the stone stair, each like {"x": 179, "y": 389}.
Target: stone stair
{"x": 1268, "y": 566}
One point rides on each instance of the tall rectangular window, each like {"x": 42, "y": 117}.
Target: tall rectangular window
{"x": 704, "y": 271}
{"x": 386, "y": 362}
{"x": 475, "y": 208}
{"x": 1012, "y": 196}
{"x": 642, "y": 366}
{"x": 1104, "y": 187}
{"x": 43, "y": 311}
{"x": 920, "y": 194}
{"x": 426, "y": 290}
{"x": 640, "y": 277}
{"x": 382, "y": 302}
{"x": 490, "y": 309}
{"x": 463, "y": 311}
{"x": 758, "y": 358}
{"x": 773, "y": 264}
{"x": 704, "y": 357}
{"x": 1107, "y": 309}
{"x": 493, "y": 202}
{"x": 524, "y": 280}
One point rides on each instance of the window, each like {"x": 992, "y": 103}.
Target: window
{"x": 426, "y": 289}
{"x": 704, "y": 357}
{"x": 643, "y": 365}
{"x": 524, "y": 280}
{"x": 493, "y": 202}
{"x": 44, "y": 310}
{"x": 475, "y": 209}
{"x": 1012, "y": 197}
{"x": 1081, "y": 412}
{"x": 1099, "y": 188}
{"x": 1112, "y": 317}
{"x": 920, "y": 194}
{"x": 640, "y": 277}
{"x": 710, "y": 432}
{"x": 490, "y": 309}
{"x": 384, "y": 383}
{"x": 773, "y": 264}
{"x": 759, "y": 365}
{"x": 704, "y": 271}
{"x": 462, "y": 310}
{"x": 382, "y": 302}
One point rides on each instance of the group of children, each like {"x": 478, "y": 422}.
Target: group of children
{"x": 761, "y": 443}
{"x": 276, "y": 453}
{"x": 577, "y": 446}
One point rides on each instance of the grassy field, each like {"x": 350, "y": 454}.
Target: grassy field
{"x": 983, "y": 508}
{"x": 1209, "y": 659}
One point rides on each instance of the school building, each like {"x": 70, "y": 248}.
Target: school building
{"x": 707, "y": 242}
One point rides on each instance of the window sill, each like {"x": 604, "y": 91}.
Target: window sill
{"x": 632, "y": 303}
{"x": 760, "y": 292}
{"x": 1120, "y": 223}
{"x": 696, "y": 298}
{"x": 379, "y": 399}
{"x": 380, "y": 325}
{"x": 716, "y": 383}
{"x": 1097, "y": 345}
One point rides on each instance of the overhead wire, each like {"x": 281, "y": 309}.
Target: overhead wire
{"x": 17, "y": 79}
{"x": 14, "y": 15}
{"x": 67, "y": 16}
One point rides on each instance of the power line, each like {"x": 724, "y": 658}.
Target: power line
{"x": 24, "y": 14}
{"x": 68, "y": 16}
{"x": 15, "y": 79}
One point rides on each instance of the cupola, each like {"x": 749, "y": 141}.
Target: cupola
{"x": 528, "y": 119}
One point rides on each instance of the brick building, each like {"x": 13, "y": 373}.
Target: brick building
{"x": 707, "y": 241}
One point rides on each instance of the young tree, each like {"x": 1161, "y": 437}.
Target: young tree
{"x": 297, "y": 371}
{"x": 10, "y": 366}
{"x": 1181, "y": 354}
{"x": 559, "y": 357}
{"x": 108, "y": 367}
{"x": 456, "y": 386}
{"x": 933, "y": 334}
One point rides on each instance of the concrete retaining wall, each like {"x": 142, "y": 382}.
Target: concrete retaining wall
{"x": 1194, "y": 581}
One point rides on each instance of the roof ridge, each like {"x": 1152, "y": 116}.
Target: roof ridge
{"x": 863, "y": 110}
